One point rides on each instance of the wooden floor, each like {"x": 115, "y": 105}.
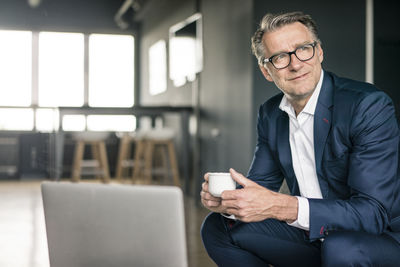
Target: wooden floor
{"x": 23, "y": 236}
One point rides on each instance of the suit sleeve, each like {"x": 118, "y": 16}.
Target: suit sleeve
{"x": 372, "y": 173}
{"x": 264, "y": 168}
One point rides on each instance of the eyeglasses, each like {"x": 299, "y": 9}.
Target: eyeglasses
{"x": 282, "y": 60}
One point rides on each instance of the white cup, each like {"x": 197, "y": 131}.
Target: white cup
{"x": 219, "y": 182}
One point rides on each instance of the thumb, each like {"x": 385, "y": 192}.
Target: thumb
{"x": 239, "y": 178}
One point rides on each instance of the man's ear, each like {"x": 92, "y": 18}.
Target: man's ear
{"x": 265, "y": 73}
{"x": 320, "y": 53}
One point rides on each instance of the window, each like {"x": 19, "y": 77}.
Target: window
{"x": 47, "y": 119}
{"x": 42, "y": 71}
{"x": 182, "y": 60}
{"x": 15, "y": 68}
{"x": 111, "y": 65}
{"x": 120, "y": 123}
{"x": 61, "y": 69}
{"x": 19, "y": 119}
{"x": 74, "y": 123}
{"x": 158, "y": 68}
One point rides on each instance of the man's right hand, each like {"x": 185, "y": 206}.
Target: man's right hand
{"x": 209, "y": 201}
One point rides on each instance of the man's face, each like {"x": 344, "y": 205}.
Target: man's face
{"x": 300, "y": 78}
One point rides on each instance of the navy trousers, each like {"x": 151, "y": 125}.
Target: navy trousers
{"x": 234, "y": 243}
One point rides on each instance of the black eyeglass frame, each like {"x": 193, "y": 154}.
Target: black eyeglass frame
{"x": 266, "y": 60}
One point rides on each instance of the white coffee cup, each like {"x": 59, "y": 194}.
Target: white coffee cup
{"x": 219, "y": 182}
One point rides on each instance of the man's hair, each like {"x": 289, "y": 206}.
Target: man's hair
{"x": 271, "y": 22}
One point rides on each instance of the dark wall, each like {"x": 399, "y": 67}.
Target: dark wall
{"x": 387, "y": 48}
{"x": 62, "y": 15}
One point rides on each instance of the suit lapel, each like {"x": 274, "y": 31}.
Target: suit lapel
{"x": 322, "y": 126}
{"x": 284, "y": 153}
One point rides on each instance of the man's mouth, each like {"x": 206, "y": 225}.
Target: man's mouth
{"x": 299, "y": 77}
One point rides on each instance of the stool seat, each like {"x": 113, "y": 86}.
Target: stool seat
{"x": 159, "y": 134}
{"x": 90, "y": 136}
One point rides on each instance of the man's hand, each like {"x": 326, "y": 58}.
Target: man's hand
{"x": 255, "y": 203}
{"x": 209, "y": 201}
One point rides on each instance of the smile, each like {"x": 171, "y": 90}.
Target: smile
{"x": 300, "y": 77}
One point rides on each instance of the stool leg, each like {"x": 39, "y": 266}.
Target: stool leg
{"x": 174, "y": 165}
{"x": 163, "y": 149}
{"x": 148, "y": 161}
{"x": 104, "y": 161}
{"x": 123, "y": 153}
{"x": 96, "y": 156}
{"x": 138, "y": 160}
{"x": 125, "y": 169}
{"x": 78, "y": 157}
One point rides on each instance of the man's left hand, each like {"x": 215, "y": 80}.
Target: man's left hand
{"x": 254, "y": 203}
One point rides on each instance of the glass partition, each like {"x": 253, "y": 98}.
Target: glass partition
{"x": 185, "y": 50}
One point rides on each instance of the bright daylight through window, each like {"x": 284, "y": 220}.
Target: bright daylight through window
{"x": 110, "y": 70}
{"x": 15, "y": 80}
{"x": 59, "y": 79}
{"x": 158, "y": 68}
{"x": 61, "y": 69}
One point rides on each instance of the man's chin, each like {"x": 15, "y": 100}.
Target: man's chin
{"x": 299, "y": 97}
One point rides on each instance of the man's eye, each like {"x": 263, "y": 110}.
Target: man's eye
{"x": 305, "y": 48}
{"x": 280, "y": 56}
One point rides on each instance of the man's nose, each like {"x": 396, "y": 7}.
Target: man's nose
{"x": 295, "y": 63}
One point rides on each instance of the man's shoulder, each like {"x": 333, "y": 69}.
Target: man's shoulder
{"x": 353, "y": 99}
{"x": 352, "y": 88}
{"x": 272, "y": 104}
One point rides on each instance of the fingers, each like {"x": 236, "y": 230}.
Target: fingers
{"x": 204, "y": 186}
{"x": 240, "y": 178}
{"x": 207, "y": 199}
{"x": 230, "y": 204}
{"x": 230, "y": 194}
{"x": 205, "y": 195}
{"x": 210, "y": 203}
{"x": 206, "y": 176}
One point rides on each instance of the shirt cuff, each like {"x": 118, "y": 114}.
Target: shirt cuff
{"x": 229, "y": 216}
{"x": 303, "y": 214}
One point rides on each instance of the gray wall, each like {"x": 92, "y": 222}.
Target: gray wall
{"x": 225, "y": 83}
{"x": 226, "y": 86}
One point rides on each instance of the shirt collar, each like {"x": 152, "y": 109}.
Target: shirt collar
{"x": 311, "y": 103}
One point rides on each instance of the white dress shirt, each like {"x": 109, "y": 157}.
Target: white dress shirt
{"x": 301, "y": 138}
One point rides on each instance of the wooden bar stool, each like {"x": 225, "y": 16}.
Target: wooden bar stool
{"x": 99, "y": 161}
{"x": 124, "y": 159}
{"x": 161, "y": 141}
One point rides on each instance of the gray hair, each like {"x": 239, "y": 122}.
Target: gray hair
{"x": 271, "y": 22}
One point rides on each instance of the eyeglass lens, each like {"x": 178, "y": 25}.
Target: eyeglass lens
{"x": 303, "y": 53}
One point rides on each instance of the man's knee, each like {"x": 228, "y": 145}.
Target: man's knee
{"x": 211, "y": 228}
{"x": 344, "y": 249}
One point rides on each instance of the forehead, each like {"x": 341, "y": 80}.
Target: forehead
{"x": 286, "y": 38}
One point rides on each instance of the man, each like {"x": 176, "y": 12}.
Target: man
{"x": 335, "y": 141}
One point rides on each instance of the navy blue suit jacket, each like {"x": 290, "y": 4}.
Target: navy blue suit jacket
{"x": 356, "y": 144}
